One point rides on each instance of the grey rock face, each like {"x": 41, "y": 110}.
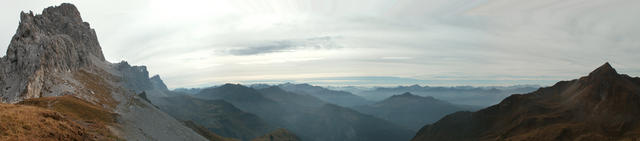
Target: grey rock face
{"x": 135, "y": 77}
{"x": 56, "y": 41}
{"x": 158, "y": 83}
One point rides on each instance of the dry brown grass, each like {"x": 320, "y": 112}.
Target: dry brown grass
{"x": 73, "y": 107}
{"x": 19, "y": 122}
{"x": 91, "y": 118}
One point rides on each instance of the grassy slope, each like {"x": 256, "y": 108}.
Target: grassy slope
{"x": 20, "y": 122}
{"x": 76, "y": 119}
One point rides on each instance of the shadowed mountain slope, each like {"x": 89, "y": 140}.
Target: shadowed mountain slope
{"x": 604, "y": 105}
{"x": 410, "y": 111}
{"x": 218, "y": 116}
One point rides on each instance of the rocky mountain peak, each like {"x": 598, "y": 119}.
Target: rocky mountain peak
{"x": 58, "y": 33}
{"x": 604, "y": 70}
{"x": 54, "y": 43}
{"x": 157, "y": 82}
{"x": 64, "y": 10}
{"x": 134, "y": 77}
{"x": 55, "y": 55}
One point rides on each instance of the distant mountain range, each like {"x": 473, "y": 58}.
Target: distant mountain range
{"x": 604, "y": 105}
{"x": 464, "y": 95}
{"x": 306, "y": 116}
{"x": 295, "y": 106}
{"x": 342, "y": 98}
{"x": 411, "y": 111}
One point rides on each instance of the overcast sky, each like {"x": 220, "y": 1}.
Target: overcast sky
{"x": 194, "y": 43}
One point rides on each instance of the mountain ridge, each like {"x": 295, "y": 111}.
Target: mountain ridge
{"x": 600, "y": 106}
{"x": 342, "y": 98}
{"x": 409, "y": 110}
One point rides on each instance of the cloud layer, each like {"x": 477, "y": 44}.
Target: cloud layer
{"x": 439, "y": 42}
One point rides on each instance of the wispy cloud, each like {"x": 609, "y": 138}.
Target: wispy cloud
{"x": 395, "y": 58}
{"x": 272, "y": 61}
{"x": 284, "y": 46}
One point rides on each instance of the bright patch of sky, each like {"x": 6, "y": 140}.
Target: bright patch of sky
{"x": 193, "y": 43}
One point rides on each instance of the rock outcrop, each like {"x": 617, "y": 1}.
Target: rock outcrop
{"x": 54, "y": 42}
{"x": 134, "y": 77}
{"x": 157, "y": 82}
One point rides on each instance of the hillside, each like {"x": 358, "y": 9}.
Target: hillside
{"x": 410, "y": 111}
{"x": 206, "y": 133}
{"x": 21, "y": 122}
{"x": 604, "y": 105}
{"x": 278, "y": 135}
{"x": 218, "y": 116}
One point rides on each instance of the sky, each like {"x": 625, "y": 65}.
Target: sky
{"x": 196, "y": 43}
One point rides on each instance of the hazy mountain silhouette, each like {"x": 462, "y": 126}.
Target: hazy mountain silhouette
{"x": 465, "y": 95}
{"x": 306, "y": 116}
{"x": 341, "y": 98}
{"x": 218, "y": 116}
{"x": 411, "y": 111}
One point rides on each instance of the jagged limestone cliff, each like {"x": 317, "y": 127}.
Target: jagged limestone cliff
{"x": 57, "y": 54}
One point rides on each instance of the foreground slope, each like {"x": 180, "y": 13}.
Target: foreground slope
{"x": 57, "y": 54}
{"x": 604, "y": 105}
{"x": 409, "y": 110}
{"x": 20, "y": 122}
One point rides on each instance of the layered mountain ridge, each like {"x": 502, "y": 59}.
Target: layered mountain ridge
{"x": 604, "y": 105}
{"x": 341, "y": 98}
{"x": 411, "y": 111}
{"x": 304, "y": 115}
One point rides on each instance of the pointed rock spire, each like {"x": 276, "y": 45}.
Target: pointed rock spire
{"x": 157, "y": 82}
{"x": 604, "y": 70}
